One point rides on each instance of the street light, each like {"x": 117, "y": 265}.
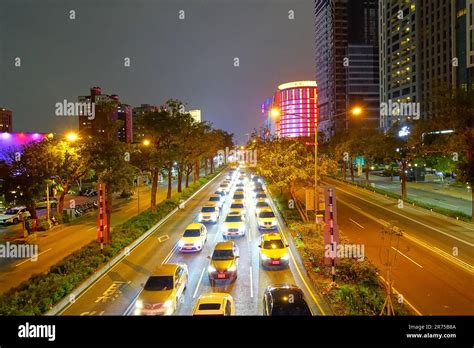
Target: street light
{"x": 276, "y": 112}
{"x": 72, "y": 137}
{"x": 146, "y": 142}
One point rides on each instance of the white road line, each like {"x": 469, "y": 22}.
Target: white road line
{"x": 404, "y": 299}
{"x": 31, "y": 259}
{"x": 170, "y": 254}
{"x": 408, "y": 218}
{"x": 199, "y": 282}
{"x": 93, "y": 227}
{"x": 251, "y": 283}
{"x": 357, "y": 224}
{"x": 398, "y": 251}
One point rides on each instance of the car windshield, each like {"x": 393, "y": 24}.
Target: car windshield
{"x": 262, "y": 204}
{"x": 273, "y": 244}
{"x": 192, "y": 233}
{"x": 233, "y": 218}
{"x": 159, "y": 283}
{"x": 209, "y": 306}
{"x": 223, "y": 255}
{"x": 214, "y": 199}
{"x": 224, "y": 185}
{"x": 261, "y": 195}
{"x": 237, "y": 206}
{"x": 238, "y": 196}
{"x": 11, "y": 211}
{"x": 208, "y": 209}
{"x": 266, "y": 214}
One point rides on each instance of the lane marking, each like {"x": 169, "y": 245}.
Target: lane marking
{"x": 199, "y": 282}
{"x": 433, "y": 249}
{"x": 398, "y": 251}
{"x": 251, "y": 283}
{"x": 31, "y": 259}
{"x": 404, "y": 298}
{"x": 408, "y": 218}
{"x": 163, "y": 238}
{"x": 357, "y": 224}
{"x": 93, "y": 227}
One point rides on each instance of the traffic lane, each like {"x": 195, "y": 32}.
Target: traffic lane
{"x": 242, "y": 289}
{"x": 117, "y": 290}
{"x": 430, "y": 283}
{"x": 420, "y": 231}
{"x": 456, "y": 229}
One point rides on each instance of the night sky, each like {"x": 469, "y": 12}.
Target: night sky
{"x": 190, "y": 59}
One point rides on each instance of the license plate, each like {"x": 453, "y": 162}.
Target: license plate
{"x": 221, "y": 276}
{"x": 275, "y": 262}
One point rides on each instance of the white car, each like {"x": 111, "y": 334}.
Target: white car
{"x": 193, "y": 238}
{"x": 14, "y": 215}
{"x": 209, "y": 214}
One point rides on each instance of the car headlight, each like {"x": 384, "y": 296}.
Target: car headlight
{"x": 241, "y": 228}
{"x": 264, "y": 257}
{"x": 180, "y": 243}
{"x": 211, "y": 269}
{"x": 139, "y": 304}
{"x": 214, "y": 217}
{"x": 285, "y": 257}
{"x": 200, "y": 216}
{"x": 232, "y": 269}
{"x": 266, "y": 200}
{"x": 168, "y": 304}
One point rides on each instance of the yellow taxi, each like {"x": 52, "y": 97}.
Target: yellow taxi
{"x": 162, "y": 291}
{"x": 234, "y": 225}
{"x": 223, "y": 262}
{"x": 238, "y": 206}
{"x": 214, "y": 303}
{"x": 266, "y": 220}
{"x": 273, "y": 251}
{"x": 209, "y": 214}
{"x": 193, "y": 238}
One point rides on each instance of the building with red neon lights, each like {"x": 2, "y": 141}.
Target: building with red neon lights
{"x": 298, "y": 105}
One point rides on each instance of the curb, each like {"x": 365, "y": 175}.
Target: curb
{"x": 67, "y": 300}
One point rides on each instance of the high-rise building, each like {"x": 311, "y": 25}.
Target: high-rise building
{"x": 5, "y": 120}
{"x": 196, "y": 115}
{"x": 139, "y": 132}
{"x": 269, "y": 123}
{"x": 416, "y": 45}
{"x": 104, "y": 113}
{"x": 346, "y": 37}
{"x": 463, "y": 27}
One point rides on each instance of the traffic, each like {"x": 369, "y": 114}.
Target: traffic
{"x": 235, "y": 223}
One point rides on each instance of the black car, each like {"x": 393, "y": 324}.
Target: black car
{"x": 284, "y": 300}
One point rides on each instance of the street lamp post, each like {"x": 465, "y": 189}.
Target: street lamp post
{"x": 356, "y": 111}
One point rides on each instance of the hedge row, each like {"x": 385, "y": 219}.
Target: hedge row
{"x": 40, "y": 292}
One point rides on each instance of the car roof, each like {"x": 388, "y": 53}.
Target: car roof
{"x": 194, "y": 225}
{"x": 227, "y": 245}
{"x": 266, "y": 210}
{"x": 207, "y": 205}
{"x": 216, "y": 195}
{"x": 237, "y": 201}
{"x": 214, "y": 297}
{"x": 166, "y": 269}
{"x": 271, "y": 236}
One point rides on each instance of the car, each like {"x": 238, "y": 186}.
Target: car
{"x": 261, "y": 205}
{"x": 90, "y": 193}
{"x": 209, "y": 214}
{"x": 239, "y": 196}
{"x": 261, "y": 195}
{"x": 12, "y": 216}
{"x": 240, "y": 185}
{"x": 163, "y": 290}
{"x": 273, "y": 251}
{"x": 234, "y": 225}
{"x": 256, "y": 190}
{"x": 214, "y": 303}
{"x": 224, "y": 188}
{"x": 239, "y": 190}
{"x": 266, "y": 220}
{"x": 217, "y": 199}
{"x": 193, "y": 238}
{"x": 284, "y": 300}
{"x": 238, "y": 206}
{"x": 220, "y": 193}
{"x": 223, "y": 262}
{"x": 53, "y": 203}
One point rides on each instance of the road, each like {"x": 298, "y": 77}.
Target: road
{"x": 116, "y": 291}
{"x": 61, "y": 241}
{"x": 433, "y": 269}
